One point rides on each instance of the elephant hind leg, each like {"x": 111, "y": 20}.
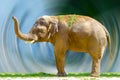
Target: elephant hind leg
{"x": 95, "y": 67}
{"x": 96, "y": 61}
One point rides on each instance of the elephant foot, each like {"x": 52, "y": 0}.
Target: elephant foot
{"x": 94, "y": 75}
{"x": 61, "y": 74}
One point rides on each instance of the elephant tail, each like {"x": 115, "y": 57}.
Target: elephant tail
{"x": 109, "y": 45}
{"x": 108, "y": 42}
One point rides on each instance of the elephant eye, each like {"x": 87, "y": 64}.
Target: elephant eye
{"x": 42, "y": 22}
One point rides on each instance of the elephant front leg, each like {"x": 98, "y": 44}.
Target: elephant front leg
{"x": 60, "y": 61}
{"x": 96, "y": 68}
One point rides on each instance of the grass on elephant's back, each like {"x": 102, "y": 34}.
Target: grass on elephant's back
{"x": 41, "y": 74}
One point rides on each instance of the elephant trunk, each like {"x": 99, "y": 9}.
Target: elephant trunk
{"x": 26, "y": 37}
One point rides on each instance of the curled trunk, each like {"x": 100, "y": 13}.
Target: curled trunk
{"x": 26, "y": 37}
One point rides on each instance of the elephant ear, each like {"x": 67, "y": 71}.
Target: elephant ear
{"x": 53, "y": 28}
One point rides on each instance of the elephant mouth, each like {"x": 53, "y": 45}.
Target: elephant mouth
{"x": 35, "y": 39}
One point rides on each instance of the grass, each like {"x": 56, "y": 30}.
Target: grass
{"x": 41, "y": 74}
{"x": 70, "y": 21}
{"x": 88, "y": 74}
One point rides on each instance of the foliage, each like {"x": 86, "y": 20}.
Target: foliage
{"x": 41, "y": 74}
{"x": 71, "y": 19}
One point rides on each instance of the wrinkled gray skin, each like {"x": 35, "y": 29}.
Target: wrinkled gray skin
{"x": 84, "y": 35}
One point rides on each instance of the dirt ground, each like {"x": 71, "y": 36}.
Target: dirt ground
{"x": 60, "y": 78}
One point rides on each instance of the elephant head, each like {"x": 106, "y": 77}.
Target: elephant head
{"x": 42, "y": 30}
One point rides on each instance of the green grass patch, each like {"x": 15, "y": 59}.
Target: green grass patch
{"x": 41, "y": 74}
{"x": 71, "y": 20}
{"x": 110, "y": 74}
{"x": 78, "y": 74}
{"x": 88, "y": 74}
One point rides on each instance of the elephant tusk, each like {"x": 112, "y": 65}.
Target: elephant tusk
{"x": 30, "y": 42}
{"x": 50, "y": 26}
{"x": 49, "y": 35}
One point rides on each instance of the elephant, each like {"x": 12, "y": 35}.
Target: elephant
{"x": 78, "y": 33}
